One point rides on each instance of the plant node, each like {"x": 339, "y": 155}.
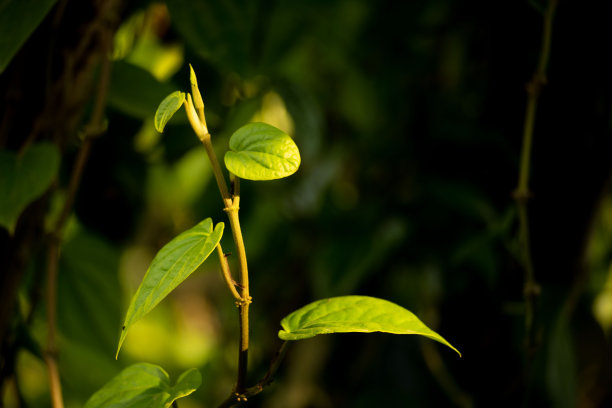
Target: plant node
{"x": 244, "y": 301}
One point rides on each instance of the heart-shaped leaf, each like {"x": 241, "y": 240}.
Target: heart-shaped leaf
{"x": 144, "y": 385}
{"x": 167, "y": 108}
{"x": 24, "y": 179}
{"x": 171, "y": 266}
{"x": 362, "y": 314}
{"x": 262, "y": 152}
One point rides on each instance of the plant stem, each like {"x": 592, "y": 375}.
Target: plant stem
{"x": 232, "y": 213}
{"x": 55, "y": 385}
{"x": 227, "y": 274}
{"x": 234, "y": 399}
{"x": 522, "y": 194}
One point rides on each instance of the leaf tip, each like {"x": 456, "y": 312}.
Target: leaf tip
{"x": 121, "y": 339}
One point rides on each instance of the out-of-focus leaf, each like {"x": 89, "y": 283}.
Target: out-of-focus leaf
{"x": 167, "y": 108}
{"x": 561, "y": 376}
{"x": 88, "y": 308}
{"x": 25, "y": 178}
{"x": 174, "y": 187}
{"x": 177, "y": 260}
{"x": 18, "y": 20}
{"x": 135, "y": 92}
{"x": 220, "y": 31}
{"x": 262, "y": 152}
{"x": 361, "y": 314}
{"x": 144, "y": 385}
{"x": 89, "y": 287}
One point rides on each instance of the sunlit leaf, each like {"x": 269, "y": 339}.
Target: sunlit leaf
{"x": 346, "y": 314}
{"x": 144, "y": 385}
{"x": 262, "y": 152}
{"x": 167, "y": 108}
{"x": 25, "y": 178}
{"x": 18, "y": 20}
{"x": 171, "y": 266}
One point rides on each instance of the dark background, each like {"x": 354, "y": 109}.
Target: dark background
{"x": 409, "y": 117}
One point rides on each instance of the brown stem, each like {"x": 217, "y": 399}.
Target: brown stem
{"x": 51, "y": 352}
{"x": 235, "y": 399}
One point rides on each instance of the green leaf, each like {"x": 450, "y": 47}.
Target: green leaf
{"x": 171, "y": 266}
{"x": 346, "y": 314}
{"x": 144, "y": 385}
{"x": 88, "y": 287}
{"x": 167, "y": 108}
{"x": 24, "y": 179}
{"x": 18, "y": 20}
{"x": 262, "y": 152}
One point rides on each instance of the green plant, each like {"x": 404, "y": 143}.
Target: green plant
{"x": 258, "y": 151}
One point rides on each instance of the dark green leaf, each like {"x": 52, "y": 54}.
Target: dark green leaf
{"x": 135, "y": 92}
{"x": 362, "y": 314}
{"x": 18, "y": 20}
{"x": 220, "y": 31}
{"x": 561, "y": 374}
{"x": 25, "y": 178}
{"x": 144, "y": 385}
{"x": 262, "y": 152}
{"x": 88, "y": 309}
{"x": 167, "y": 108}
{"x": 171, "y": 266}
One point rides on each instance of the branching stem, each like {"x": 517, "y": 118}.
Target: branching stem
{"x": 227, "y": 274}
{"x": 232, "y": 212}
{"x": 236, "y": 398}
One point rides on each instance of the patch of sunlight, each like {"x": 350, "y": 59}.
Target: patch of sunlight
{"x": 197, "y": 324}
{"x": 32, "y": 378}
{"x": 161, "y": 60}
{"x": 602, "y": 305}
{"x": 191, "y": 348}
{"x": 152, "y": 338}
{"x": 137, "y": 41}
{"x": 274, "y": 112}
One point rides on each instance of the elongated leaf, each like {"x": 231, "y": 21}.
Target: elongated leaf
{"x": 24, "y": 179}
{"x": 262, "y": 152}
{"x": 347, "y": 314}
{"x": 167, "y": 108}
{"x": 171, "y": 266}
{"x": 144, "y": 385}
{"x": 18, "y": 20}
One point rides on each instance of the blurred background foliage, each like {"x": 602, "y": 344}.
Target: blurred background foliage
{"x": 409, "y": 119}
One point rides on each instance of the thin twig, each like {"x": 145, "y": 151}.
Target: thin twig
{"x": 522, "y": 193}
{"x": 235, "y": 399}
{"x": 227, "y": 273}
